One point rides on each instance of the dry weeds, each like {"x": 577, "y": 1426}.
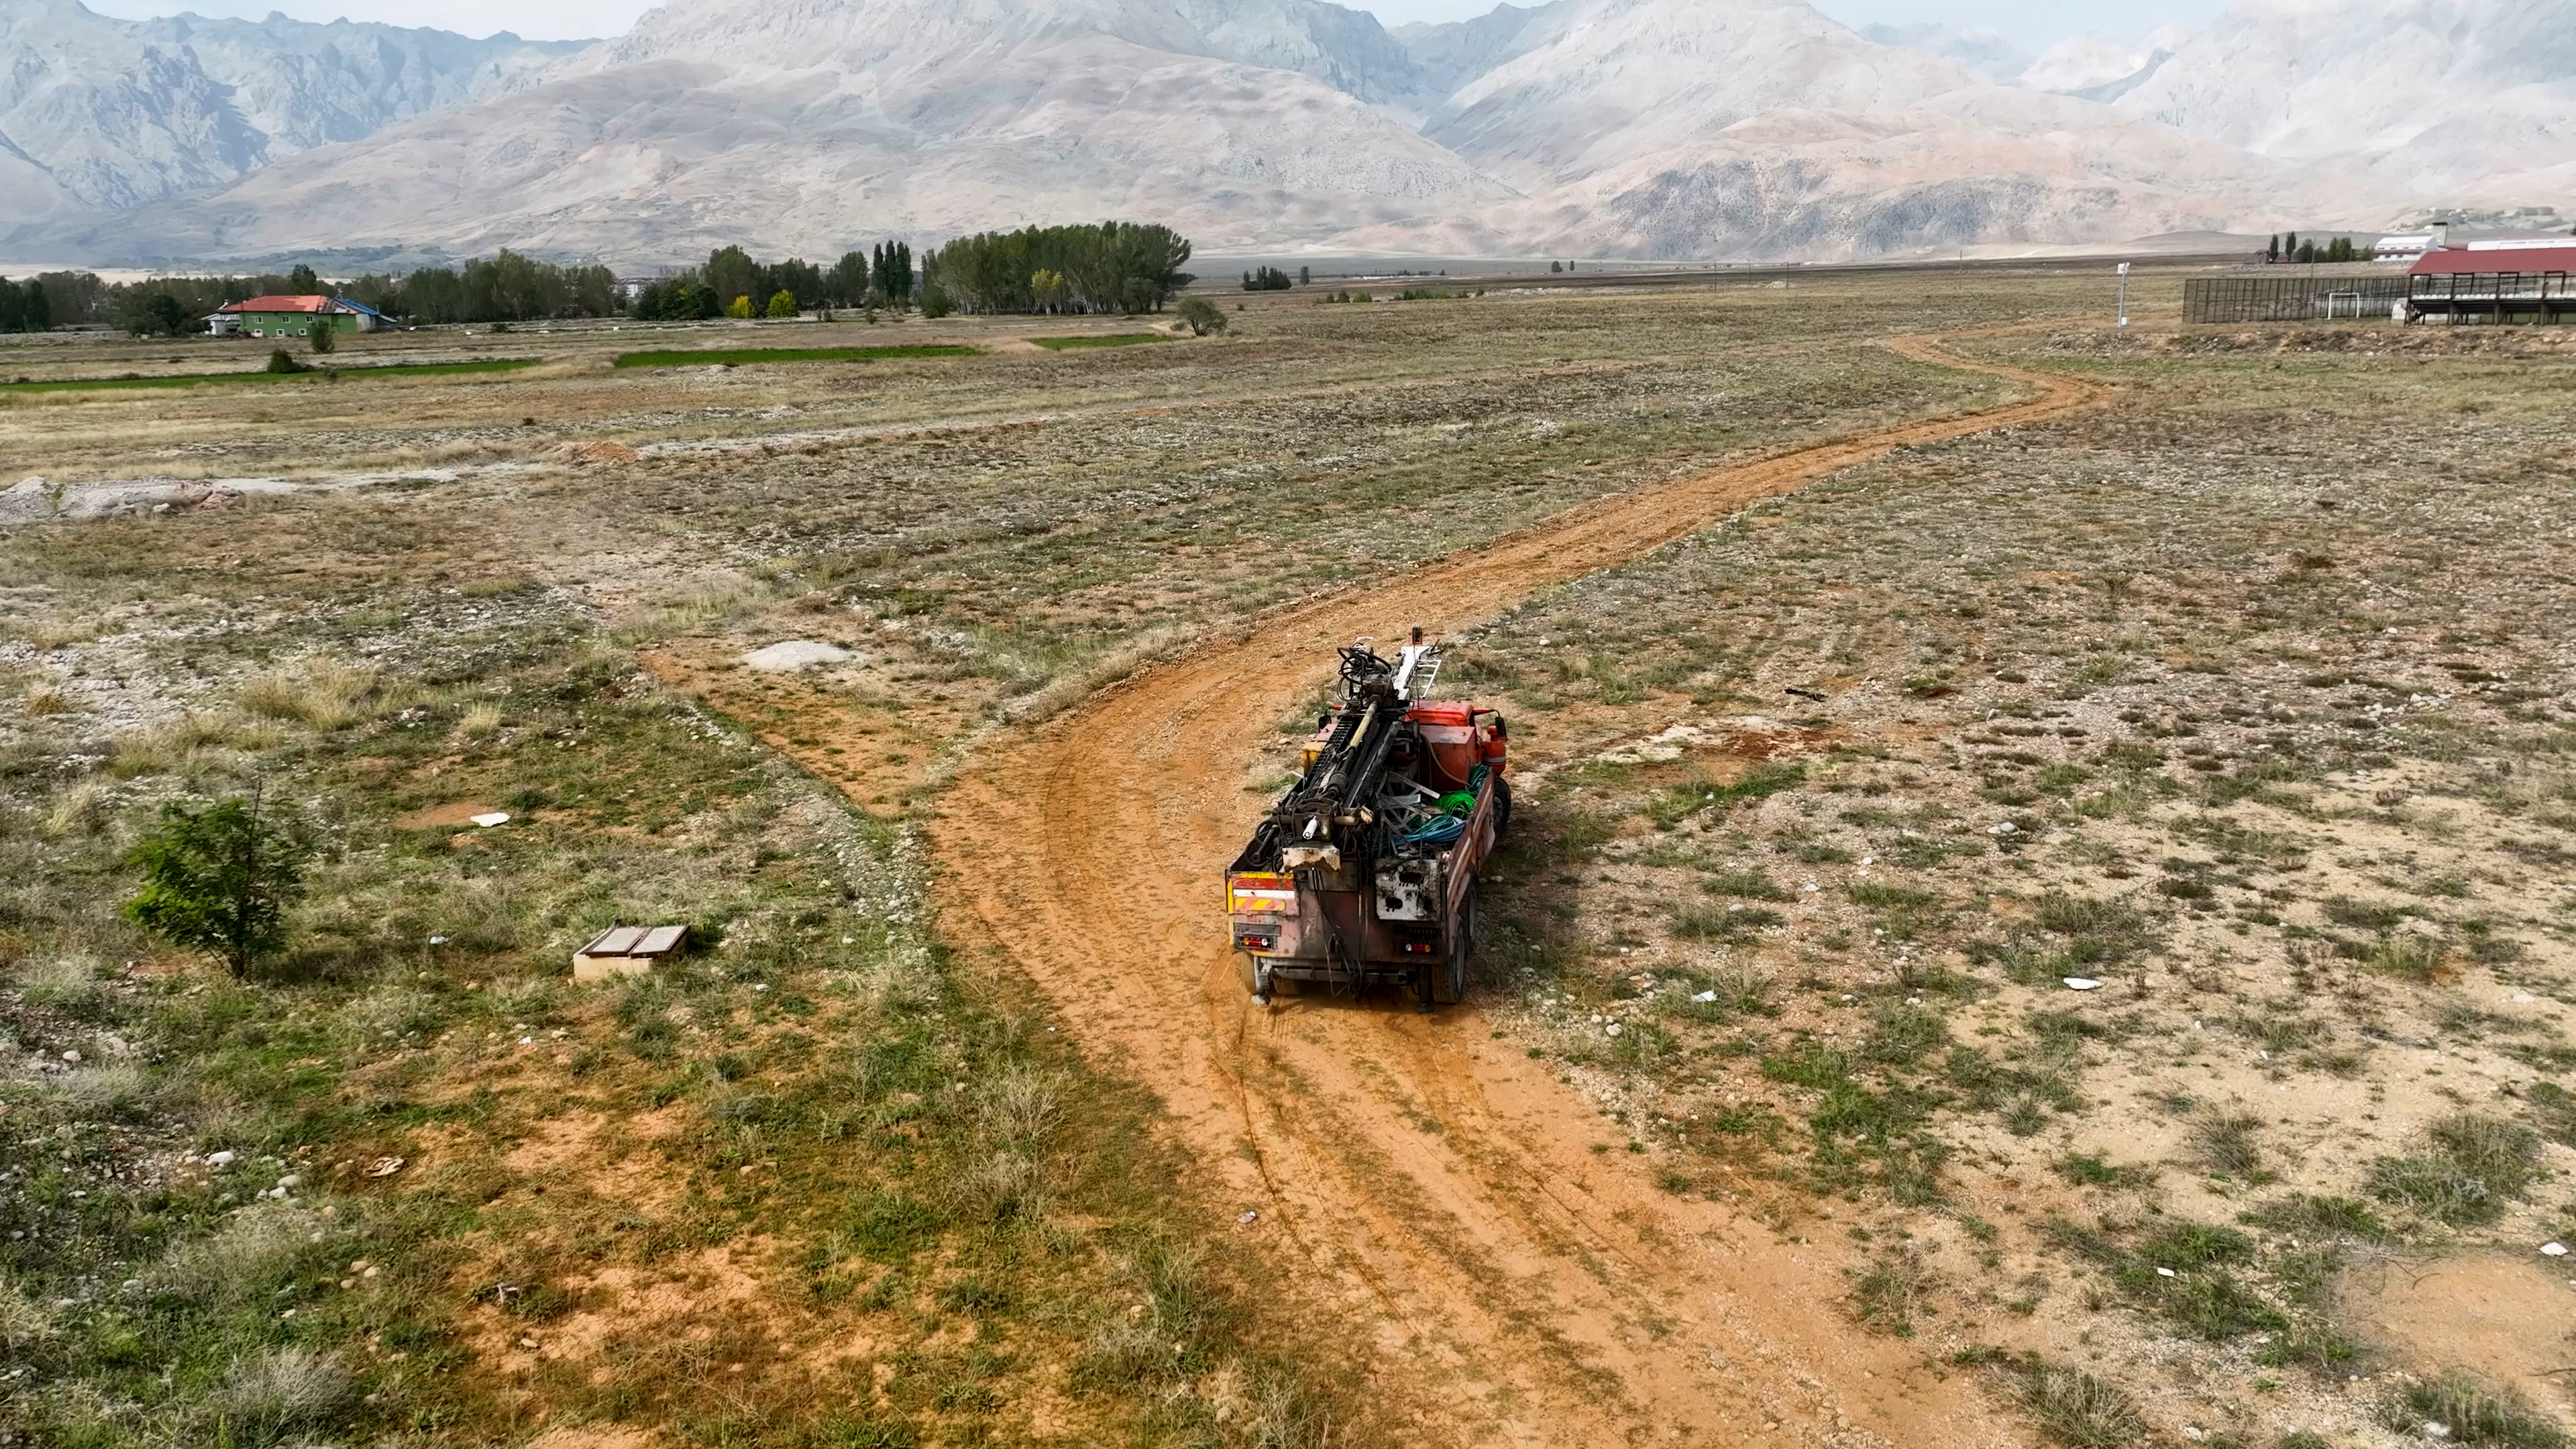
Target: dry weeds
{"x": 2242, "y": 706}
{"x": 2243, "y": 700}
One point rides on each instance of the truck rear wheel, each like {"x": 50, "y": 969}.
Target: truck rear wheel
{"x": 1449, "y": 983}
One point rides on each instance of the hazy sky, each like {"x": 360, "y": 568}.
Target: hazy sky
{"x": 2032, "y": 23}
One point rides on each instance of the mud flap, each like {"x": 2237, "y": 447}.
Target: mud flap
{"x": 1258, "y": 982}
{"x": 1449, "y": 981}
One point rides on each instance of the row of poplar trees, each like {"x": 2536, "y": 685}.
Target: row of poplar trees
{"x": 733, "y": 284}
{"x": 25, "y": 306}
{"x": 1116, "y": 266}
{"x": 2341, "y": 249}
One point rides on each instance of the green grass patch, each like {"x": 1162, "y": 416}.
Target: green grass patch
{"x": 315, "y": 373}
{"x": 2075, "y": 1409}
{"x": 746, "y": 356}
{"x": 2089, "y": 1169}
{"x": 2186, "y": 1271}
{"x": 2470, "y": 1166}
{"x": 1105, "y": 339}
{"x": 2317, "y": 1215}
{"x": 2471, "y": 1412}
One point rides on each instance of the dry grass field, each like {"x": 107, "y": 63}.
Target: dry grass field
{"x": 2244, "y": 696}
{"x": 2243, "y": 707}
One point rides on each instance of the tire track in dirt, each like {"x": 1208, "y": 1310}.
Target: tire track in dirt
{"x": 1442, "y": 1191}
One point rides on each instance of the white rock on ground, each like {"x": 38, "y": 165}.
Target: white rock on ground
{"x": 789, "y": 655}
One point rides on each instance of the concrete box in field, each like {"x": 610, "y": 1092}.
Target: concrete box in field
{"x": 627, "y": 951}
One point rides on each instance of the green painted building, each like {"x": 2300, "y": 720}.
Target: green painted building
{"x": 285, "y": 316}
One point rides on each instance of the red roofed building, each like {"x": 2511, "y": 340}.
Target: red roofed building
{"x": 2494, "y": 281}
{"x": 284, "y": 316}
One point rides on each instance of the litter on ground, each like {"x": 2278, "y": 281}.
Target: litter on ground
{"x": 627, "y": 951}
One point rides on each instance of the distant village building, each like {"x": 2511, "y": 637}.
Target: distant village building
{"x": 2401, "y": 248}
{"x": 284, "y": 316}
{"x": 2518, "y": 280}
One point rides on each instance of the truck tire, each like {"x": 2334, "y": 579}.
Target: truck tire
{"x": 1449, "y": 982}
{"x": 1502, "y": 807}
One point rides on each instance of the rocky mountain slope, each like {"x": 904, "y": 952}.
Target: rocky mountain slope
{"x": 2466, "y": 101}
{"x": 1761, "y": 128}
{"x": 1618, "y": 79}
{"x": 2101, "y": 67}
{"x": 1453, "y": 54}
{"x": 1986, "y": 52}
{"x": 802, "y": 130}
{"x": 98, "y": 114}
{"x": 1666, "y": 128}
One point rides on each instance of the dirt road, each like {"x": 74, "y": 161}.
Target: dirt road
{"x": 1443, "y": 1186}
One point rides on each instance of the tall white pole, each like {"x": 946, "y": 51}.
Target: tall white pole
{"x": 2124, "y": 294}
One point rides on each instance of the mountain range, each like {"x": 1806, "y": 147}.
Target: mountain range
{"x": 1643, "y": 128}
{"x": 99, "y": 114}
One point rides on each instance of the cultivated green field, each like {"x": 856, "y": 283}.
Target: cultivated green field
{"x": 740, "y": 356}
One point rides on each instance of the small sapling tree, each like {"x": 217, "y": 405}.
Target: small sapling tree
{"x": 324, "y": 336}
{"x": 218, "y": 880}
{"x": 1202, "y": 315}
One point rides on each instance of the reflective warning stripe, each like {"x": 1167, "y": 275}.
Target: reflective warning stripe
{"x": 1266, "y": 891}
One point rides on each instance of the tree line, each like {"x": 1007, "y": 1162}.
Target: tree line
{"x": 47, "y": 300}
{"x": 503, "y": 288}
{"x": 507, "y": 287}
{"x": 2340, "y": 249}
{"x": 1123, "y": 267}
{"x": 732, "y": 284}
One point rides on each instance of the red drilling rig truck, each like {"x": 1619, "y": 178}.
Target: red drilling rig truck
{"x": 1364, "y": 872}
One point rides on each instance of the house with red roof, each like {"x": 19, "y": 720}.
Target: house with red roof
{"x": 2516, "y": 280}
{"x": 286, "y": 316}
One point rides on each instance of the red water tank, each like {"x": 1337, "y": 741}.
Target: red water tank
{"x": 1449, "y": 729}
